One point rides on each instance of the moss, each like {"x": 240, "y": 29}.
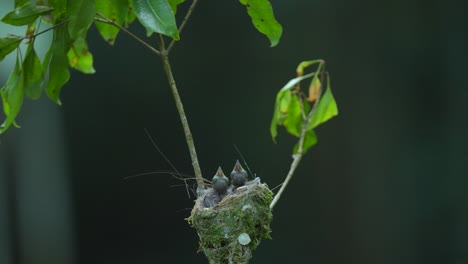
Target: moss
{"x": 226, "y": 228}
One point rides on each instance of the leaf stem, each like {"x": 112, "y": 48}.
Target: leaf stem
{"x": 106, "y": 20}
{"x": 184, "y": 22}
{"x": 183, "y": 117}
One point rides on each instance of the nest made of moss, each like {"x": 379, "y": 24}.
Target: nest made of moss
{"x": 230, "y": 230}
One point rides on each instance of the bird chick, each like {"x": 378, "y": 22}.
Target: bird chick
{"x": 220, "y": 182}
{"x": 238, "y": 175}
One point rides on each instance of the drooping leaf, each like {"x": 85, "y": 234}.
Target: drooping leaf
{"x": 117, "y": 10}
{"x": 12, "y": 97}
{"x": 314, "y": 89}
{"x": 8, "y": 44}
{"x": 33, "y": 74}
{"x": 79, "y": 56}
{"x": 304, "y": 64}
{"x": 282, "y": 103}
{"x": 25, "y": 14}
{"x": 20, "y": 3}
{"x": 156, "y": 16}
{"x": 174, "y": 4}
{"x": 58, "y": 66}
{"x": 325, "y": 110}
{"x": 263, "y": 18}
{"x": 81, "y": 14}
{"x": 293, "y": 120}
{"x": 310, "y": 140}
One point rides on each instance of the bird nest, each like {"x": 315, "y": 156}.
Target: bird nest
{"x": 232, "y": 228}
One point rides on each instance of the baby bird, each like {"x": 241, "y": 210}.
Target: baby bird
{"x": 238, "y": 175}
{"x": 220, "y": 182}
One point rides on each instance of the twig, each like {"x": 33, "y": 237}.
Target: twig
{"x": 106, "y": 20}
{"x": 298, "y": 156}
{"x": 183, "y": 117}
{"x": 296, "y": 160}
{"x": 186, "y": 18}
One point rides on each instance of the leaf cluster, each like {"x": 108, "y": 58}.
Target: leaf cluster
{"x": 70, "y": 21}
{"x": 300, "y": 112}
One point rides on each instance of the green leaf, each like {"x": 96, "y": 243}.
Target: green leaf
{"x": 80, "y": 58}
{"x": 25, "y": 15}
{"x": 58, "y": 66}
{"x": 325, "y": 110}
{"x": 117, "y": 10}
{"x": 60, "y": 8}
{"x": 19, "y": 3}
{"x": 174, "y": 4}
{"x": 33, "y": 74}
{"x": 8, "y": 44}
{"x": 310, "y": 140}
{"x": 263, "y": 18}
{"x": 282, "y": 103}
{"x": 12, "y": 97}
{"x": 81, "y": 13}
{"x": 156, "y": 16}
{"x": 293, "y": 120}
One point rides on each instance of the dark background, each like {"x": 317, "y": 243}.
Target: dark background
{"x": 387, "y": 182}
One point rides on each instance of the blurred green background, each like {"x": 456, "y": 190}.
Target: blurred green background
{"x": 387, "y": 182}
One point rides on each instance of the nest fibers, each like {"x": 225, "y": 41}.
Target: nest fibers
{"x": 230, "y": 230}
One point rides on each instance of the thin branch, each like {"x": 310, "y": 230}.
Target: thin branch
{"x": 296, "y": 160}
{"x": 298, "y": 156}
{"x": 183, "y": 117}
{"x": 184, "y": 22}
{"x": 106, "y": 20}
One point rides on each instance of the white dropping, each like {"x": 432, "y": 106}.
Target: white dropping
{"x": 244, "y": 239}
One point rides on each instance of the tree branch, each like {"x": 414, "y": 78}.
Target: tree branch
{"x": 184, "y": 22}
{"x": 183, "y": 117}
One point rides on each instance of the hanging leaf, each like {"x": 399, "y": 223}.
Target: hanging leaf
{"x": 282, "y": 103}
{"x": 263, "y": 18}
{"x": 304, "y": 64}
{"x": 12, "y": 97}
{"x": 325, "y": 110}
{"x": 293, "y": 119}
{"x": 314, "y": 89}
{"x": 25, "y": 15}
{"x": 33, "y": 74}
{"x": 80, "y": 58}
{"x": 118, "y": 11}
{"x": 81, "y": 14}
{"x": 156, "y": 16}
{"x": 8, "y": 44}
{"x": 174, "y": 4}
{"x": 310, "y": 140}
{"x": 58, "y": 66}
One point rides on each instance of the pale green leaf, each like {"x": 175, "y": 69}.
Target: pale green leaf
{"x": 79, "y": 56}
{"x": 293, "y": 120}
{"x": 8, "y": 44}
{"x": 33, "y": 74}
{"x": 25, "y": 15}
{"x": 263, "y": 18}
{"x": 156, "y": 16}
